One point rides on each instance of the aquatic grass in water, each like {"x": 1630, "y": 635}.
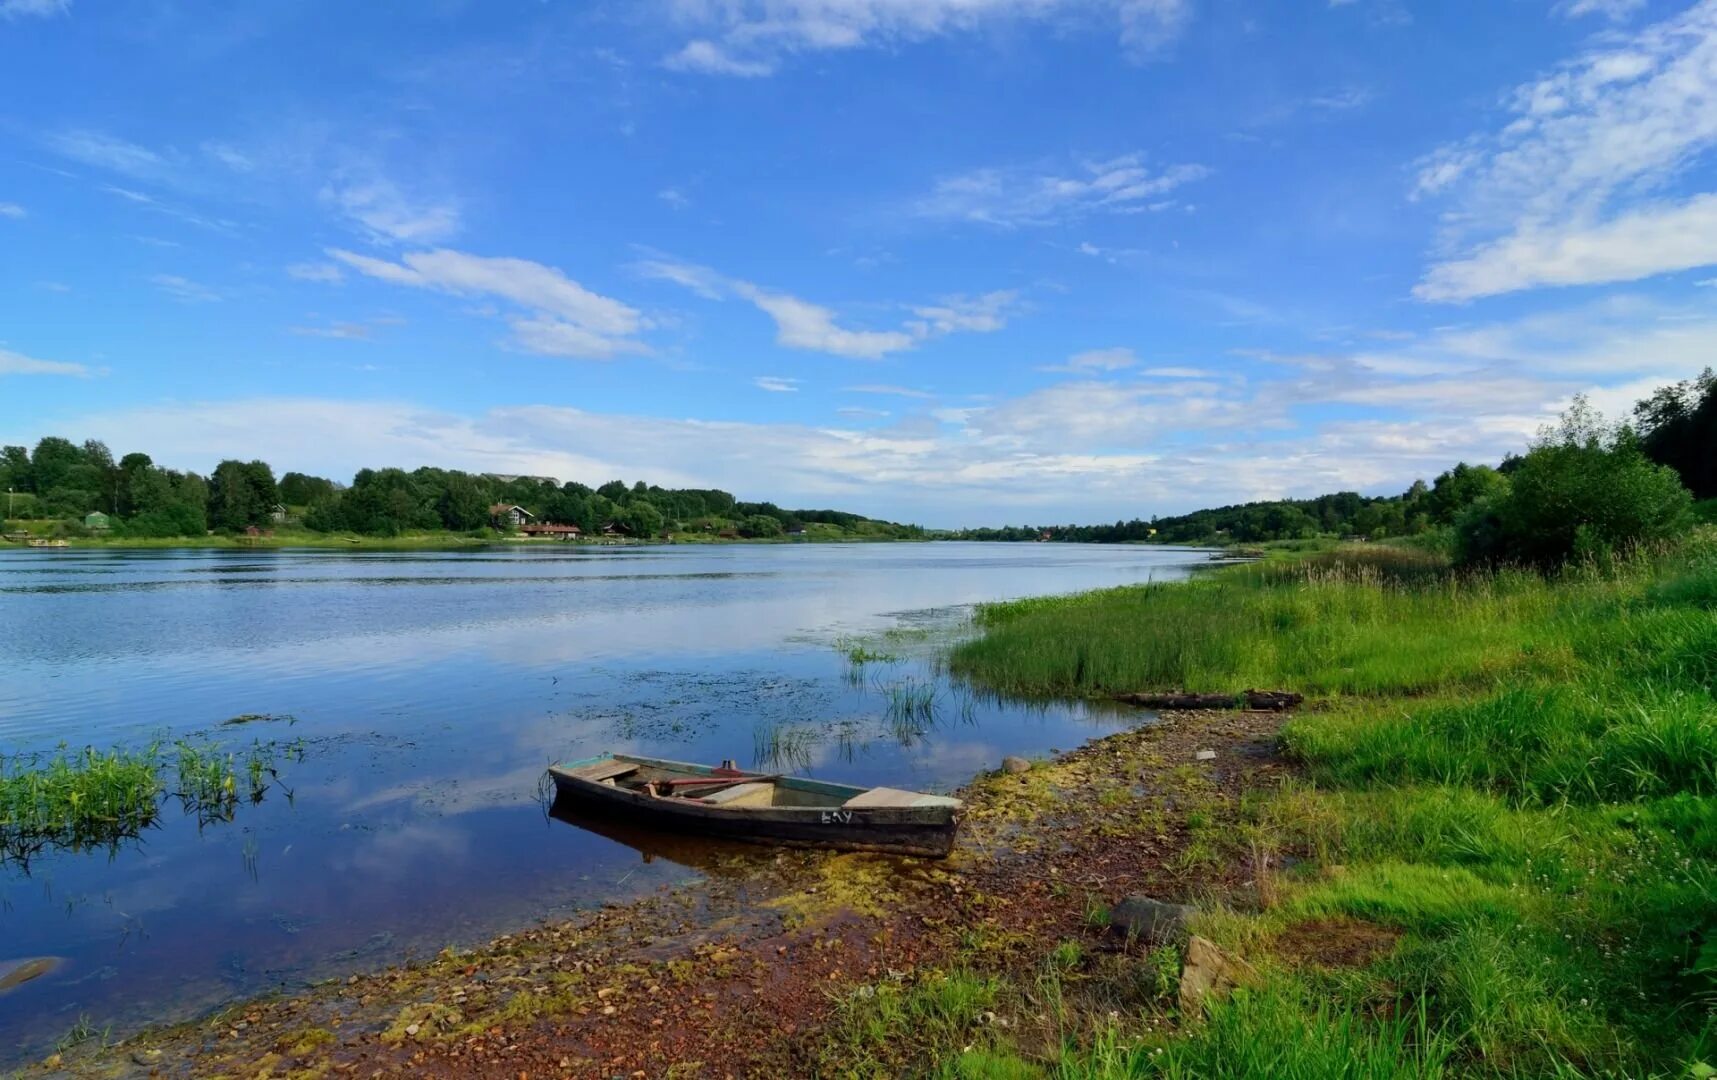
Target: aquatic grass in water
{"x": 92, "y": 798}
{"x": 77, "y": 800}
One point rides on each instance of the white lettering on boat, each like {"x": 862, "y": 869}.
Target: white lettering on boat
{"x": 837, "y": 817}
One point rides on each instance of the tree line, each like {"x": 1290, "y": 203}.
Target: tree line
{"x": 60, "y": 479}
{"x": 1671, "y": 440}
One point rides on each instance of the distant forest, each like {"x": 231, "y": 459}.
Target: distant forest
{"x": 1676, "y": 426}
{"x": 64, "y": 481}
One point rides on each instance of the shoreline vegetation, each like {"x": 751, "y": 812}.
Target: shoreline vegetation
{"x": 1484, "y": 847}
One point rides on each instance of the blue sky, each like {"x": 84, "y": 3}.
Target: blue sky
{"x": 952, "y": 261}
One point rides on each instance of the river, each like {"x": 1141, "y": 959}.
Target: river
{"x": 426, "y": 693}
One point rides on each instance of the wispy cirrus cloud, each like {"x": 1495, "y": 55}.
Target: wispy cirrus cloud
{"x": 12, "y": 363}
{"x": 803, "y": 324}
{"x": 753, "y": 38}
{"x": 184, "y": 290}
{"x": 1015, "y": 197}
{"x": 34, "y": 9}
{"x": 1586, "y": 181}
{"x": 776, "y": 384}
{"x": 12, "y": 210}
{"x": 1095, "y": 361}
{"x": 388, "y": 214}
{"x": 557, "y": 316}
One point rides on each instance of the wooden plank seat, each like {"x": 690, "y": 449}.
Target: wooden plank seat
{"x": 755, "y": 793}
{"x": 886, "y": 798}
{"x": 604, "y": 770}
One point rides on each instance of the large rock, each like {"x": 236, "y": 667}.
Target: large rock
{"x": 1016, "y": 765}
{"x": 15, "y": 973}
{"x": 1150, "y": 921}
{"x": 1209, "y": 973}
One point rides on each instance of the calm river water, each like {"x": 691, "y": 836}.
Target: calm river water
{"x": 429, "y": 690}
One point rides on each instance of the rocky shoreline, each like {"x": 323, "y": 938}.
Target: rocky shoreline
{"x": 746, "y": 972}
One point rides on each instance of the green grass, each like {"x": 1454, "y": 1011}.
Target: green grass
{"x": 89, "y": 798}
{"x": 1517, "y": 774}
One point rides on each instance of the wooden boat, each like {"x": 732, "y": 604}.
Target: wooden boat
{"x": 727, "y": 802}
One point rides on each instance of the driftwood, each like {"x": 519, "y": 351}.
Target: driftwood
{"x": 1266, "y": 700}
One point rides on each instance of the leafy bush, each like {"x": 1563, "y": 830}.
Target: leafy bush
{"x": 1584, "y": 491}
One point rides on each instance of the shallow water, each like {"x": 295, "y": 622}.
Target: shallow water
{"x": 429, "y": 691}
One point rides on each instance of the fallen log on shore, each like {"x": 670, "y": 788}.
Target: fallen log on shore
{"x": 1264, "y": 700}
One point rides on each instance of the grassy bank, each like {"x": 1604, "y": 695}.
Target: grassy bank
{"x": 1516, "y": 775}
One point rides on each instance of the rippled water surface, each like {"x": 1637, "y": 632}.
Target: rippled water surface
{"x": 427, "y": 692}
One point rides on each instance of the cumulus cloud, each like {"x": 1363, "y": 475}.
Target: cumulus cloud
{"x": 1575, "y": 188}
{"x": 559, "y": 316}
{"x": 752, "y": 38}
{"x": 1015, "y": 197}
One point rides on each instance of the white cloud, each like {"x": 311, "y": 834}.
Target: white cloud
{"x": 12, "y": 210}
{"x": 340, "y": 331}
{"x": 861, "y": 413}
{"x": 802, "y": 324}
{"x": 674, "y": 197}
{"x": 892, "y": 391}
{"x": 1572, "y": 189}
{"x": 751, "y": 38}
{"x": 1018, "y": 197}
{"x": 184, "y": 290}
{"x": 562, "y": 318}
{"x": 975, "y": 314}
{"x": 12, "y": 363}
{"x": 38, "y": 9}
{"x": 1177, "y": 373}
{"x": 1638, "y": 243}
{"x": 1096, "y": 360}
{"x": 387, "y": 213}
{"x": 322, "y": 273}
{"x": 708, "y": 58}
{"x": 1615, "y": 10}
{"x": 776, "y": 385}
{"x": 106, "y": 151}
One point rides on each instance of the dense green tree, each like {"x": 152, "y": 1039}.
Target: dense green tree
{"x": 759, "y": 526}
{"x": 1584, "y": 490}
{"x": 462, "y": 504}
{"x": 297, "y": 489}
{"x": 52, "y": 462}
{"x": 15, "y": 473}
{"x": 1678, "y": 428}
{"x": 241, "y": 494}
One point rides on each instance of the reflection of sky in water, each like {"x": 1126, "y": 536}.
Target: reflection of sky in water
{"x": 431, "y": 689}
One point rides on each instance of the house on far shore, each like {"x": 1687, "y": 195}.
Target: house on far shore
{"x": 615, "y": 528}
{"x": 797, "y": 530}
{"x": 553, "y": 532}
{"x": 506, "y": 516}
{"x": 96, "y": 521}
{"x": 277, "y": 513}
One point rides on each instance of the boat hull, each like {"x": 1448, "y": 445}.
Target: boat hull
{"x": 926, "y": 831}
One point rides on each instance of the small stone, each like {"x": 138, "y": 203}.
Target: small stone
{"x": 1151, "y": 921}
{"x": 609, "y": 1010}
{"x": 1204, "y": 755}
{"x": 1209, "y": 972}
{"x": 146, "y": 1056}
{"x": 1015, "y": 765}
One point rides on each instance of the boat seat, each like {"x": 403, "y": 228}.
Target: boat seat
{"x": 755, "y": 793}
{"x": 604, "y": 770}
{"x": 883, "y": 798}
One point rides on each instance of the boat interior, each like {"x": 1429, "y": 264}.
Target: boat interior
{"x": 729, "y": 787}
